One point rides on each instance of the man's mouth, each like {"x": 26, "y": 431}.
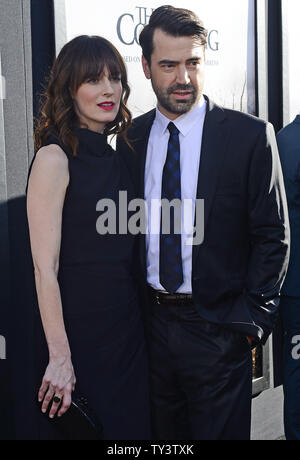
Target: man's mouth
{"x": 182, "y": 94}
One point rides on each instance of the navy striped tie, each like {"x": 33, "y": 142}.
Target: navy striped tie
{"x": 170, "y": 270}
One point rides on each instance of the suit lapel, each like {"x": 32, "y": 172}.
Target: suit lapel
{"x": 214, "y": 144}
{"x": 140, "y": 145}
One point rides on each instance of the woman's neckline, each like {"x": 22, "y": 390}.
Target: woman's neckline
{"x": 95, "y": 142}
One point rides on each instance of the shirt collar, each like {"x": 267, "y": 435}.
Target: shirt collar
{"x": 185, "y": 122}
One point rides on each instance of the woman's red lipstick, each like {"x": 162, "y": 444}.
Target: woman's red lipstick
{"x": 107, "y": 105}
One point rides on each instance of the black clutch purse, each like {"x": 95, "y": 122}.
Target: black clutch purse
{"x": 79, "y": 423}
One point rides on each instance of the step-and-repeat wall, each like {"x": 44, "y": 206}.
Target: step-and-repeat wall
{"x": 230, "y": 69}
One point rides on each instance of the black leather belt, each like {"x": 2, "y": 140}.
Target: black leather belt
{"x": 161, "y": 298}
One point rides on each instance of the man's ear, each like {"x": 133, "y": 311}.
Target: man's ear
{"x": 146, "y": 68}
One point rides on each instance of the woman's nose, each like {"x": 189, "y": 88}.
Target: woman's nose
{"x": 107, "y": 86}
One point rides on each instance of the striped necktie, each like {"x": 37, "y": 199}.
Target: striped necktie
{"x": 170, "y": 270}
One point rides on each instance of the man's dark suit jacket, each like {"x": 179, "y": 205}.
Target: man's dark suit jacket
{"x": 239, "y": 269}
{"x": 289, "y": 149}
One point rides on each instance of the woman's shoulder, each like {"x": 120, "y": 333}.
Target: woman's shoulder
{"x": 49, "y": 172}
{"x": 52, "y": 155}
{"x": 50, "y": 165}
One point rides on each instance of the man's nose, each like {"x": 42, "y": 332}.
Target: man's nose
{"x": 183, "y": 76}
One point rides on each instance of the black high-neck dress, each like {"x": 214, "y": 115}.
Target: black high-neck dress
{"x": 99, "y": 295}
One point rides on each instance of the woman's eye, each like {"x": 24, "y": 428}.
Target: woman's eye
{"x": 116, "y": 78}
{"x": 92, "y": 80}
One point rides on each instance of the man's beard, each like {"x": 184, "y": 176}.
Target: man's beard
{"x": 176, "y": 107}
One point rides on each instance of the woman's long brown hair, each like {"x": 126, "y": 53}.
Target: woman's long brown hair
{"x": 81, "y": 59}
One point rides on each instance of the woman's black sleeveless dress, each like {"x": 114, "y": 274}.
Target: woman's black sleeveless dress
{"x": 99, "y": 296}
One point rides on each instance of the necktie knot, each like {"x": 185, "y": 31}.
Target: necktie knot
{"x": 172, "y": 128}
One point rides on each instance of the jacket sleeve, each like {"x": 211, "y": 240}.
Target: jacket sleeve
{"x": 269, "y": 234}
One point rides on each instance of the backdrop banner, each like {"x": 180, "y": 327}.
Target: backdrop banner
{"x": 230, "y": 73}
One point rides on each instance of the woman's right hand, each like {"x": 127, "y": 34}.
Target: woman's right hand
{"x": 59, "y": 380}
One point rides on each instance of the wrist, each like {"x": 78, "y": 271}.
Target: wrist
{"x": 59, "y": 350}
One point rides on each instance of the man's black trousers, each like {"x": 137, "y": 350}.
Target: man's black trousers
{"x": 201, "y": 377}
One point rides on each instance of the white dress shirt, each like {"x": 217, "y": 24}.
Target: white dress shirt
{"x": 190, "y": 126}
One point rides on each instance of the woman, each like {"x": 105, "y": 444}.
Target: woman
{"x": 85, "y": 287}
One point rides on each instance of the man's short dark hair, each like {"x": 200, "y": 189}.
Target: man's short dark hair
{"x": 177, "y": 22}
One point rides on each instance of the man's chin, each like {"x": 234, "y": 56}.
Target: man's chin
{"x": 180, "y": 108}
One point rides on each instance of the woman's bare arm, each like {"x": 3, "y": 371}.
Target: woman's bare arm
{"x": 46, "y": 194}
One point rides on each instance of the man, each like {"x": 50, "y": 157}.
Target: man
{"x": 209, "y": 301}
{"x": 289, "y": 150}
